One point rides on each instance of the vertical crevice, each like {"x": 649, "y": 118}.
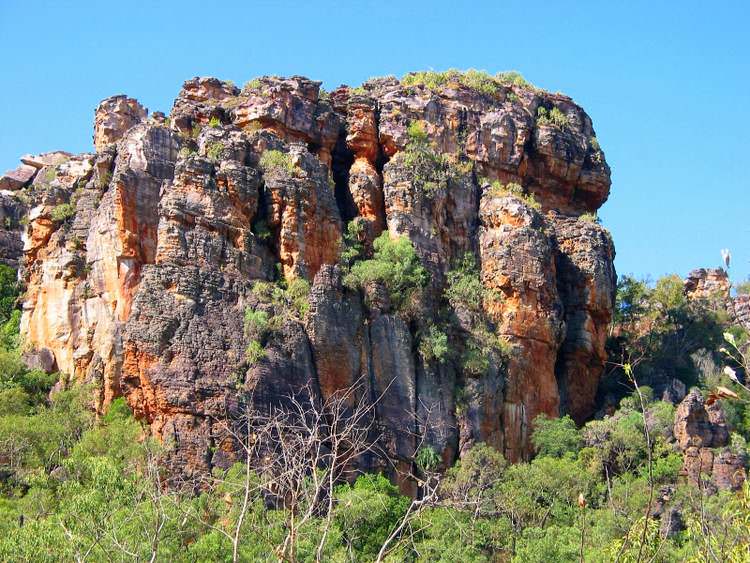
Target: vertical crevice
{"x": 342, "y": 159}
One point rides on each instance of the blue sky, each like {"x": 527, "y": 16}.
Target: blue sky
{"x": 667, "y": 85}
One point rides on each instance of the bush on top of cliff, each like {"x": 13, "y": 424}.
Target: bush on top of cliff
{"x": 478, "y": 80}
{"x": 395, "y": 264}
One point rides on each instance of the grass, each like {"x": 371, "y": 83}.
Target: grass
{"x": 553, "y": 117}
{"x": 477, "y": 80}
{"x": 214, "y": 150}
{"x": 62, "y": 212}
{"x": 498, "y": 189}
{"x": 276, "y": 161}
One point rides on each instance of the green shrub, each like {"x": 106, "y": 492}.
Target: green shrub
{"x": 556, "y": 437}
{"x": 368, "y": 511}
{"x": 254, "y": 352}
{"x": 214, "y": 122}
{"x": 514, "y": 78}
{"x": 256, "y": 323}
{"x": 297, "y": 294}
{"x": 253, "y": 84}
{"x": 427, "y": 459}
{"x": 276, "y": 161}
{"x": 428, "y": 169}
{"x": 516, "y": 190}
{"x": 477, "y": 80}
{"x": 353, "y": 248}
{"x": 464, "y": 285}
{"x": 553, "y": 117}
{"x": 433, "y": 345}
{"x": 590, "y": 217}
{"x": 62, "y": 212}
{"x": 395, "y": 264}
{"x": 214, "y": 150}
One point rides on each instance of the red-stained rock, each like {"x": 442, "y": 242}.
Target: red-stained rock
{"x": 711, "y": 283}
{"x": 17, "y": 178}
{"x": 702, "y": 434}
{"x": 114, "y": 117}
{"x": 143, "y": 290}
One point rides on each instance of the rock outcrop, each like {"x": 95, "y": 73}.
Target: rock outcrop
{"x": 701, "y": 433}
{"x": 708, "y": 283}
{"x": 140, "y": 260}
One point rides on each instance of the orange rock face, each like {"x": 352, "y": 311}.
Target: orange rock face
{"x": 140, "y": 284}
{"x": 114, "y": 117}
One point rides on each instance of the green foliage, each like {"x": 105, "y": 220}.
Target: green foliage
{"x": 591, "y": 217}
{"x": 477, "y": 80}
{"x": 516, "y": 190}
{"x": 427, "y": 459}
{"x": 394, "y": 264}
{"x": 353, "y": 247}
{"x": 743, "y": 288}
{"x": 514, "y": 78}
{"x": 428, "y": 169}
{"x": 62, "y": 212}
{"x": 254, "y": 352}
{"x": 465, "y": 287}
{"x": 254, "y": 84}
{"x": 552, "y": 117}
{"x": 367, "y": 512}
{"x": 556, "y": 437}
{"x": 8, "y": 292}
{"x": 214, "y": 122}
{"x": 433, "y": 345}
{"x": 214, "y": 150}
{"x": 664, "y": 329}
{"x": 275, "y": 161}
{"x": 256, "y": 322}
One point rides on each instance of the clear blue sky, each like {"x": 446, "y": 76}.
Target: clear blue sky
{"x": 667, "y": 85}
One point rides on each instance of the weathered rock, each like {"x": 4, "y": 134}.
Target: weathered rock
{"x": 46, "y": 159}
{"x": 518, "y": 266}
{"x": 114, "y": 117}
{"x": 17, "y": 178}
{"x": 702, "y": 434}
{"x": 586, "y": 281}
{"x": 143, "y": 289}
{"x": 741, "y": 310}
{"x": 12, "y": 211}
{"x": 711, "y": 283}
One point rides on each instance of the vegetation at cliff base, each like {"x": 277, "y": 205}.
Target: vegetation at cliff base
{"x": 74, "y": 487}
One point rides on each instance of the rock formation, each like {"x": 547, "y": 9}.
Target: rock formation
{"x": 701, "y": 433}
{"x": 139, "y": 260}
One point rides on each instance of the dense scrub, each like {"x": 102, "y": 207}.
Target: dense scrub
{"x": 75, "y": 487}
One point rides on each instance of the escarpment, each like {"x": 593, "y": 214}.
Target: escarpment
{"x": 141, "y": 259}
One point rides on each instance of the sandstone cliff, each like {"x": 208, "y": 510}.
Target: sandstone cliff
{"x": 139, "y": 260}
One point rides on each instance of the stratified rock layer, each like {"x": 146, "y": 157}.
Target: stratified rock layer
{"x": 140, "y": 259}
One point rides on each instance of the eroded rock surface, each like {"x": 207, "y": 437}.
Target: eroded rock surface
{"x": 140, "y": 260}
{"x": 702, "y": 434}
